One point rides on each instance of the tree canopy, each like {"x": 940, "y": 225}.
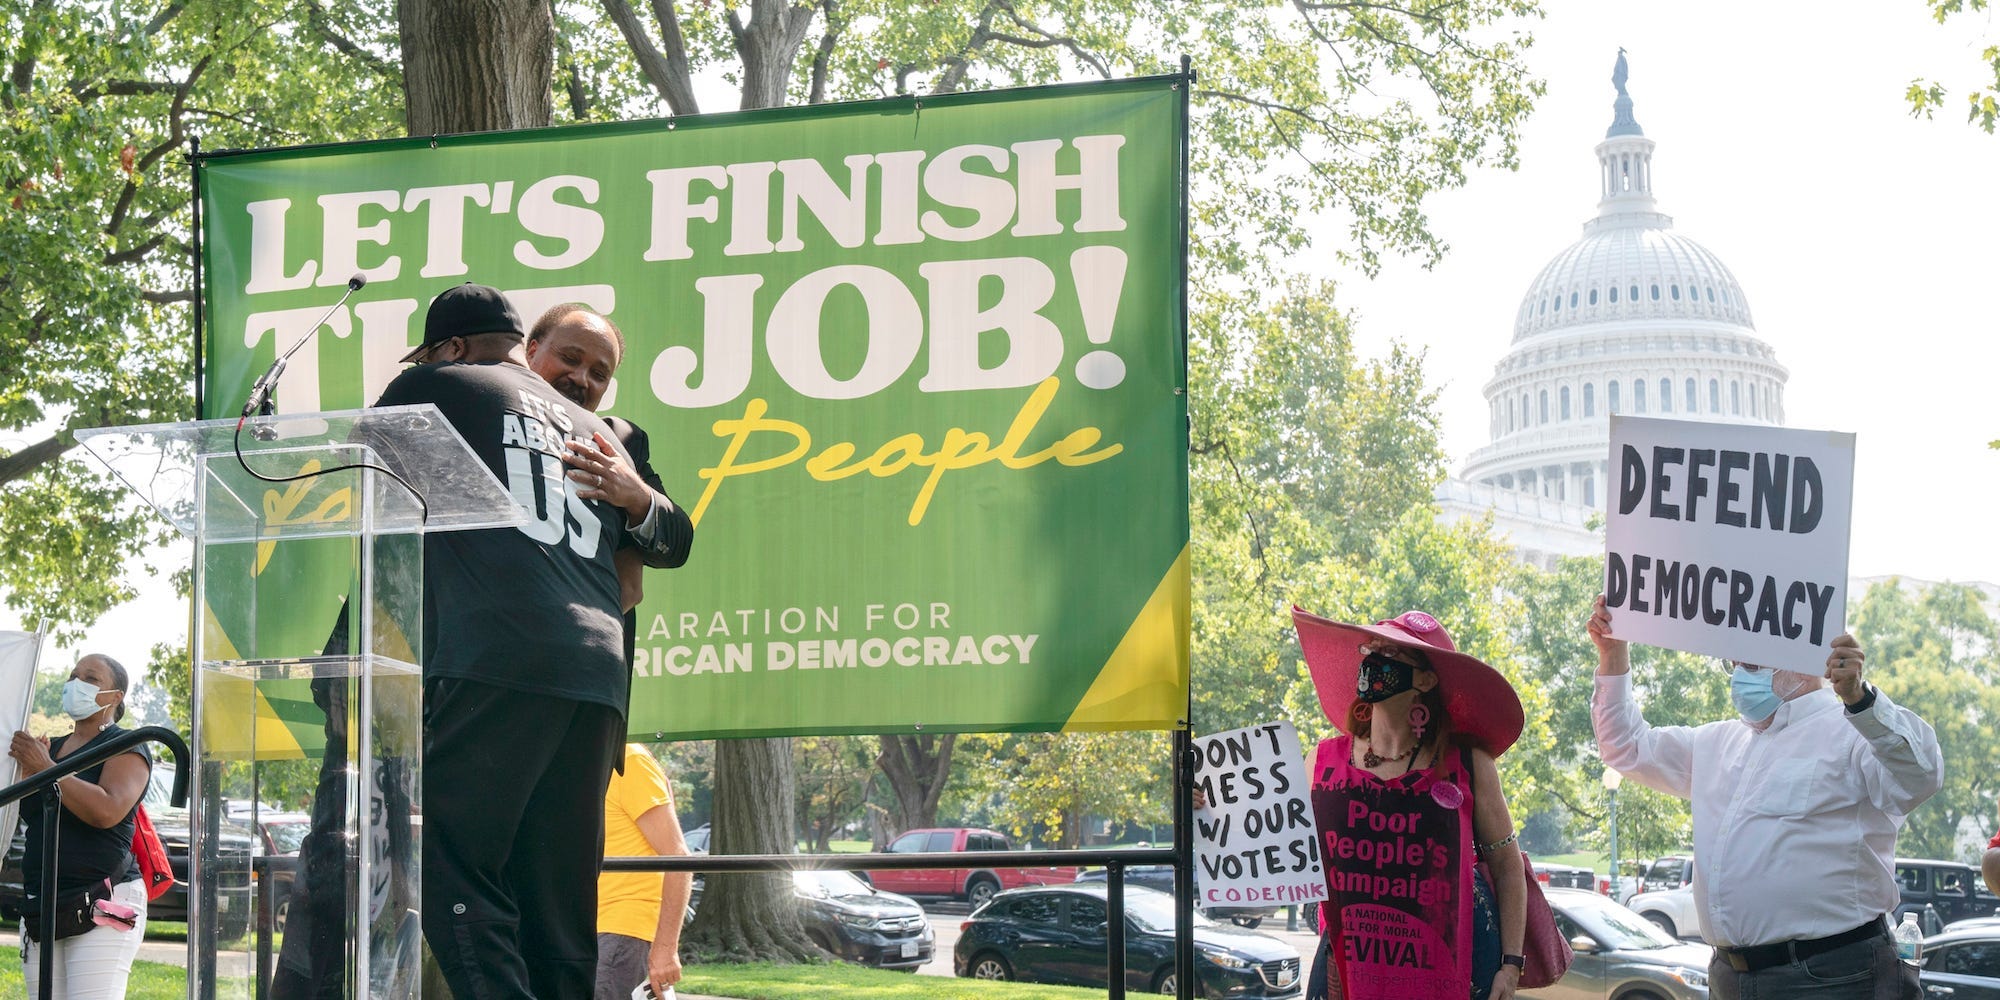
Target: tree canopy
{"x": 1982, "y": 98}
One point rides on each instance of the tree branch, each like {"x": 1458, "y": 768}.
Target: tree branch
{"x": 176, "y": 135}
{"x": 22, "y": 76}
{"x": 666, "y": 71}
{"x": 135, "y": 254}
{"x": 166, "y": 14}
{"x": 322, "y": 25}
{"x": 120, "y": 88}
{"x": 1049, "y": 39}
{"x": 24, "y": 462}
{"x": 823, "y": 56}
{"x": 957, "y": 65}
{"x": 167, "y": 298}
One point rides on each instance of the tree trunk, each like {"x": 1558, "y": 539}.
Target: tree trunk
{"x": 476, "y": 66}
{"x": 746, "y": 916}
{"x": 754, "y": 917}
{"x": 768, "y": 46}
{"x": 917, "y": 767}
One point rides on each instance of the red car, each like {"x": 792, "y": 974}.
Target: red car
{"x": 974, "y": 885}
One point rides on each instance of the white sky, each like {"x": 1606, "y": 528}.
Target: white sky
{"x": 1863, "y": 239}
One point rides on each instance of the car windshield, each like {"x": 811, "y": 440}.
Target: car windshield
{"x": 831, "y": 883}
{"x": 288, "y": 836}
{"x": 1619, "y": 928}
{"x": 1154, "y": 911}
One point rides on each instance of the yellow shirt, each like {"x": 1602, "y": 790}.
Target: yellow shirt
{"x": 628, "y": 903}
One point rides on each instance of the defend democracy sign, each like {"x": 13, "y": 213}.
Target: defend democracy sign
{"x": 1729, "y": 539}
{"x": 1254, "y": 840}
{"x": 914, "y": 366}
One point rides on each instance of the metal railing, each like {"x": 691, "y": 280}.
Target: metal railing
{"x": 52, "y": 814}
{"x": 1114, "y": 862}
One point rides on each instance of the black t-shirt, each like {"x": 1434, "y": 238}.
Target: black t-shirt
{"x": 85, "y": 855}
{"x": 533, "y": 608}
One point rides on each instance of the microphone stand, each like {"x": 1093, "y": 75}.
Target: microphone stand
{"x": 262, "y": 401}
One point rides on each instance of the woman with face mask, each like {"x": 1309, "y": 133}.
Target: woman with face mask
{"x": 93, "y": 837}
{"x": 1407, "y": 802}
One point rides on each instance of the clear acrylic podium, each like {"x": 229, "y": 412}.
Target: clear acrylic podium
{"x": 308, "y": 697}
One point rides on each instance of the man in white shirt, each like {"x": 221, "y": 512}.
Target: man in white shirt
{"x": 1796, "y": 808}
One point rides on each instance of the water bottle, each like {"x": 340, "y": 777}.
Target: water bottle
{"x": 1909, "y": 939}
{"x": 644, "y": 991}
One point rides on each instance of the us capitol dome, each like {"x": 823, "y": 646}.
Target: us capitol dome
{"x": 1633, "y": 318}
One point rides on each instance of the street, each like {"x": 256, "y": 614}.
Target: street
{"x": 946, "y": 916}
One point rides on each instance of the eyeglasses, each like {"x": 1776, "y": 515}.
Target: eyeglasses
{"x": 1730, "y": 666}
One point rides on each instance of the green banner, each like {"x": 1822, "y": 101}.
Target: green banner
{"x": 915, "y": 366}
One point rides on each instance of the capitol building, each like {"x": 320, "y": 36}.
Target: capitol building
{"x": 1633, "y": 318}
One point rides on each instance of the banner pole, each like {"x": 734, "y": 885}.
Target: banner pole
{"x": 1184, "y": 976}
{"x": 194, "y": 182}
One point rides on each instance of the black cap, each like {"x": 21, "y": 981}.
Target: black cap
{"x": 464, "y": 311}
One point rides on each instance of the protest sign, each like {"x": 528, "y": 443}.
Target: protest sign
{"x": 1729, "y": 540}
{"x": 1254, "y": 841}
{"x": 915, "y": 367}
{"x": 20, "y": 654}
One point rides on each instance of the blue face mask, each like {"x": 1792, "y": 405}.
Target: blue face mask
{"x": 1750, "y": 691}
{"x": 79, "y": 699}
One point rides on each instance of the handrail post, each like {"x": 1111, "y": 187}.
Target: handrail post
{"x": 1114, "y": 945}
{"x": 45, "y": 955}
{"x": 260, "y": 869}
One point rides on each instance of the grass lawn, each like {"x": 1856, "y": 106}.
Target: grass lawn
{"x": 150, "y": 980}
{"x": 852, "y": 982}
{"x": 1593, "y": 860}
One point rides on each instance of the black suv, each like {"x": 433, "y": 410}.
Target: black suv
{"x": 1941, "y": 892}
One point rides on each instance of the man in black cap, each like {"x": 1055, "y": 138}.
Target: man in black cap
{"x": 524, "y": 675}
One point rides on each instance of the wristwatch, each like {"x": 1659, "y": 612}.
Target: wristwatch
{"x": 1519, "y": 962}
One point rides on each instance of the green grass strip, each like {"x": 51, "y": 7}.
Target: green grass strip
{"x": 852, "y": 982}
{"x": 150, "y": 980}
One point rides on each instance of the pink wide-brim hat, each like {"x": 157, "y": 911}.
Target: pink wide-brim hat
{"x": 1483, "y": 706}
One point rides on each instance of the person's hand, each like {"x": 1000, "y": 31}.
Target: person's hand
{"x": 1504, "y": 983}
{"x": 1844, "y": 666}
{"x": 1613, "y": 654}
{"x": 32, "y": 752}
{"x": 607, "y": 477}
{"x": 1200, "y": 799}
{"x": 663, "y": 967}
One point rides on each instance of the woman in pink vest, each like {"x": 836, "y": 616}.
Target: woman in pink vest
{"x": 1407, "y": 801}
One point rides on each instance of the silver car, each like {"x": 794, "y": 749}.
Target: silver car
{"x": 1620, "y": 954}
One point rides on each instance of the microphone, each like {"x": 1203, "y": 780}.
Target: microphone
{"x": 260, "y": 401}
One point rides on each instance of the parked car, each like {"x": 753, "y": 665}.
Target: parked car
{"x": 1671, "y": 910}
{"x": 279, "y": 836}
{"x": 859, "y": 923}
{"x": 1161, "y": 878}
{"x": 1963, "y": 963}
{"x": 1058, "y": 934}
{"x": 1620, "y": 954}
{"x": 1558, "y": 876}
{"x": 974, "y": 885}
{"x": 1675, "y": 871}
{"x": 1941, "y": 892}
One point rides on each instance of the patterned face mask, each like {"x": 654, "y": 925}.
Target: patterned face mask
{"x": 1383, "y": 677}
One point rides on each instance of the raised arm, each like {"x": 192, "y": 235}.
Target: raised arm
{"x": 1905, "y": 766}
{"x": 1659, "y": 758}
